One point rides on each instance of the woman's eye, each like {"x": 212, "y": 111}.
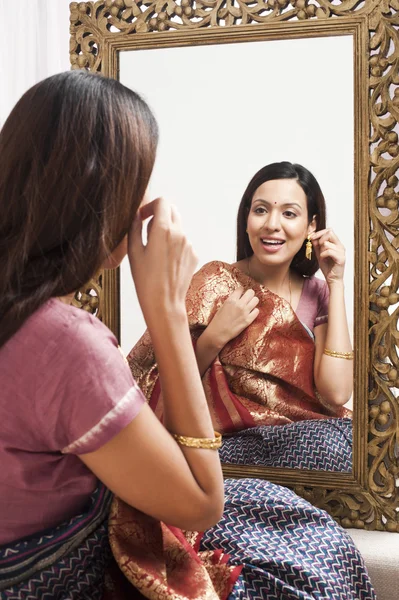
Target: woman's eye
{"x": 289, "y": 214}
{"x": 260, "y": 210}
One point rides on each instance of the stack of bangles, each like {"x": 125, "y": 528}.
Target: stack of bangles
{"x": 335, "y": 354}
{"x": 192, "y": 442}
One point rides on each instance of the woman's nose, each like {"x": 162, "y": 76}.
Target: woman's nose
{"x": 272, "y": 221}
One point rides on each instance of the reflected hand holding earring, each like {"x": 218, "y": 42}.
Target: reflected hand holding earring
{"x": 330, "y": 254}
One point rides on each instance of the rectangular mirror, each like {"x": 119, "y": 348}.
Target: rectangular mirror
{"x": 216, "y": 130}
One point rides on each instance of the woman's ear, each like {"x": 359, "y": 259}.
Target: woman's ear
{"x": 312, "y": 225}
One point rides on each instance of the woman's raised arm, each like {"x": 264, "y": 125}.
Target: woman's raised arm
{"x": 143, "y": 464}
{"x": 333, "y": 375}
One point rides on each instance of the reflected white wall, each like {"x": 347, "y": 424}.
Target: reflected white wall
{"x": 225, "y": 111}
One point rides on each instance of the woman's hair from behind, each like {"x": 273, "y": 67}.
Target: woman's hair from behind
{"x": 315, "y": 204}
{"x": 76, "y": 155}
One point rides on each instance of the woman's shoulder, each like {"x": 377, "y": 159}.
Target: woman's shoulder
{"x": 211, "y": 270}
{"x": 215, "y": 267}
{"x": 73, "y": 324}
{"x": 315, "y": 287}
{"x": 213, "y": 280}
{"x": 57, "y": 331}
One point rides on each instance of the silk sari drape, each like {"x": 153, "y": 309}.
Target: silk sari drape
{"x": 264, "y": 376}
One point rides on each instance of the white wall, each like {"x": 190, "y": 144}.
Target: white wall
{"x": 227, "y": 110}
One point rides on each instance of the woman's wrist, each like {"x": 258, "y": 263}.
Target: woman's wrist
{"x": 212, "y": 340}
{"x": 165, "y": 319}
{"x": 336, "y": 286}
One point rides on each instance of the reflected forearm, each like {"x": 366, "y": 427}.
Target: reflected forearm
{"x": 334, "y": 376}
{"x": 206, "y": 350}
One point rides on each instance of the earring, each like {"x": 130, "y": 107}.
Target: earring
{"x": 308, "y": 252}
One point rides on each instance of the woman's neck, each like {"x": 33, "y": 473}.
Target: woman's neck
{"x": 275, "y": 279}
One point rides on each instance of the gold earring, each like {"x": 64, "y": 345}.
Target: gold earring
{"x": 308, "y": 253}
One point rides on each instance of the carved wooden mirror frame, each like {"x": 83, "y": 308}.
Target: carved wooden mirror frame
{"x": 369, "y": 496}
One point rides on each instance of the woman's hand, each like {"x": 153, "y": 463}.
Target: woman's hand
{"x": 162, "y": 269}
{"x": 330, "y": 254}
{"x": 237, "y": 312}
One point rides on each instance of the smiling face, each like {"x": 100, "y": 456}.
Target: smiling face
{"x": 278, "y": 221}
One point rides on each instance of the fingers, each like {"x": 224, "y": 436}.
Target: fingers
{"x": 252, "y": 315}
{"x": 318, "y": 234}
{"x": 324, "y": 235}
{"x": 243, "y": 297}
{"x": 247, "y": 300}
{"x": 334, "y": 255}
{"x": 175, "y": 215}
{"x": 253, "y": 303}
{"x": 247, "y": 296}
{"x": 236, "y": 295}
{"x": 159, "y": 213}
{"x": 326, "y": 248}
{"x": 146, "y": 200}
{"x": 135, "y": 240}
{"x": 159, "y": 209}
{"x": 148, "y": 210}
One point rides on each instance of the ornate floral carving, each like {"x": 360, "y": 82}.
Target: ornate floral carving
{"x": 383, "y": 443}
{"x": 91, "y": 297}
{"x": 370, "y": 497}
{"x": 92, "y": 22}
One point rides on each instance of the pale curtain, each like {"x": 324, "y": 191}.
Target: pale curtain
{"x": 34, "y": 44}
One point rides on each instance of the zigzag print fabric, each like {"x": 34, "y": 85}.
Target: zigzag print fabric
{"x": 325, "y": 445}
{"x": 289, "y": 548}
{"x": 77, "y": 576}
{"x": 65, "y": 563}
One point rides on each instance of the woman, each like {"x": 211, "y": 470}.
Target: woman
{"x": 272, "y": 341}
{"x": 77, "y": 153}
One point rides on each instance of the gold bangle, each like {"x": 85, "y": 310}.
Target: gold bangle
{"x": 335, "y": 354}
{"x": 192, "y": 442}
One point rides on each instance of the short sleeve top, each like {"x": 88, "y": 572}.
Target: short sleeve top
{"x": 312, "y": 309}
{"x": 66, "y": 390}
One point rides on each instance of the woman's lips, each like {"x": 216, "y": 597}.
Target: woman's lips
{"x": 272, "y": 246}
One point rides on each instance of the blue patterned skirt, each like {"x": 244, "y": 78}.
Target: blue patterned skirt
{"x": 323, "y": 444}
{"x": 289, "y": 548}
{"x": 66, "y": 562}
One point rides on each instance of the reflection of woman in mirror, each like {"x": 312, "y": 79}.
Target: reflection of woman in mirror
{"x": 253, "y": 325}
{"x": 272, "y": 340}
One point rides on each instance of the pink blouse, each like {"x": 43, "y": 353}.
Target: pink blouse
{"x": 65, "y": 390}
{"x": 312, "y": 309}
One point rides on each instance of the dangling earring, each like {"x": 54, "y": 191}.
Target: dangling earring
{"x": 308, "y": 253}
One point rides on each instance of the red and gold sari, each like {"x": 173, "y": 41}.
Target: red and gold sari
{"x": 264, "y": 376}
{"x": 161, "y": 562}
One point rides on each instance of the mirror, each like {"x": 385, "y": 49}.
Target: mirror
{"x": 216, "y": 131}
{"x": 318, "y": 111}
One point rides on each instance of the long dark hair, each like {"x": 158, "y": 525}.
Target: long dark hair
{"x": 316, "y": 206}
{"x": 76, "y": 155}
